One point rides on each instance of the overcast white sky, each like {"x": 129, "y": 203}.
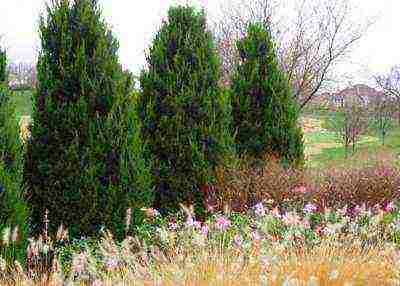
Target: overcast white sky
{"x": 135, "y": 22}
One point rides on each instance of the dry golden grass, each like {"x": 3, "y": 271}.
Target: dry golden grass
{"x": 310, "y": 124}
{"x": 330, "y": 263}
{"x": 24, "y": 123}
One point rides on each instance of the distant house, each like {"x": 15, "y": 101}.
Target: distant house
{"x": 22, "y": 76}
{"x": 361, "y": 93}
{"x": 17, "y": 83}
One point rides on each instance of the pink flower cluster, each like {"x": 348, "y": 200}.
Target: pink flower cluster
{"x": 259, "y": 209}
{"x": 300, "y": 190}
{"x": 190, "y": 222}
{"x": 310, "y": 208}
{"x": 204, "y": 230}
{"x": 222, "y": 223}
{"x": 389, "y": 207}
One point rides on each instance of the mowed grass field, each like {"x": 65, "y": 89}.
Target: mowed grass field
{"x": 323, "y": 148}
{"x": 23, "y": 103}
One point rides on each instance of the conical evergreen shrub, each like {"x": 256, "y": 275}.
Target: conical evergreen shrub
{"x": 265, "y": 114}
{"x": 13, "y": 212}
{"x": 185, "y": 114}
{"x": 3, "y": 66}
{"x": 84, "y": 162}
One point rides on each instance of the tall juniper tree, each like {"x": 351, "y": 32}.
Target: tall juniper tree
{"x": 185, "y": 114}
{"x": 3, "y": 66}
{"x": 265, "y": 113}
{"x": 13, "y": 212}
{"x": 84, "y": 160}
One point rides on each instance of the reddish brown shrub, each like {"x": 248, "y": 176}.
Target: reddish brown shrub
{"x": 242, "y": 187}
{"x": 370, "y": 185}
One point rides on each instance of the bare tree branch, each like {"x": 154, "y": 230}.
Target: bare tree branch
{"x": 318, "y": 36}
{"x": 390, "y": 84}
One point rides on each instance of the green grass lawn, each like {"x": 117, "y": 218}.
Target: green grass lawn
{"x": 323, "y": 149}
{"x": 23, "y": 103}
{"x": 320, "y": 137}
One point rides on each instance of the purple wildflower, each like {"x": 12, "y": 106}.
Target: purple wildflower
{"x": 238, "y": 240}
{"x": 389, "y": 207}
{"x": 190, "y": 222}
{"x": 222, "y": 223}
{"x": 204, "y": 230}
{"x": 306, "y": 224}
{"x": 259, "y": 209}
{"x": 358, "y": 210}
{"x": 291, "y": 219}
{"x": 197, "y": 224}
{"x": 310, "y": 208}
{"x": 276, "y": 213}
{"x": 111, "y": 264}
{"x": 300, "y": 190}
{"x": 255, "y": 236}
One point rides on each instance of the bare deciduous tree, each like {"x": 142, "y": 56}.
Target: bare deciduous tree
{"x": 383, "y": 109}
{"x": 390, "y": 84}
{"x": 310, "y": 43}
{"x": 349, "y": 123}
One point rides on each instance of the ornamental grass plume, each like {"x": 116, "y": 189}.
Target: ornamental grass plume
{"x": 79, "y": 263}
{"x": 330, "y": 263}
{"x": 24, "y": 124}
{"x": 336, "y": 261}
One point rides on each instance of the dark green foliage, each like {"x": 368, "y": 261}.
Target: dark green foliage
{"x": 264, "y": 111}
{"x": 185, "y": 114}
{"x": 3, "y": 66}
{"x": 85, "y": 160}
{"x": 13, "y": 211}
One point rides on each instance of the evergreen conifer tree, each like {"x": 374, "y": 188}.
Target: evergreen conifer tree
{"x": 185, "y": 114}
{"x": 84, "y": 162}
{"x": 13, "y": 211}
{"x": 3, "y": 66}
{"x": 265, "y": 114}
